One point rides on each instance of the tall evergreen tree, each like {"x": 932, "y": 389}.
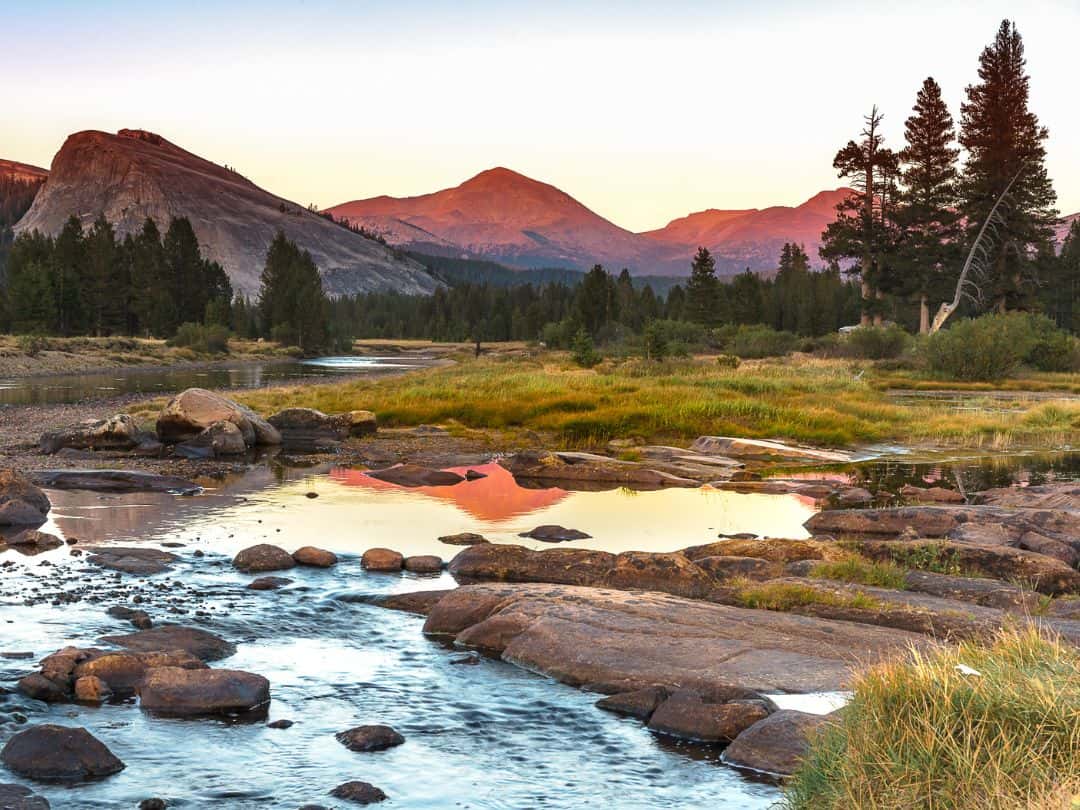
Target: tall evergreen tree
{"x": 864, "y": 230}
{"x": 703, "y": 290}
{"x": 930, "y": 248}
{"x": 105, "y": 283}
{"x": 292, "y": 305}
{"x": 1003, "y": 139}
{"x": 70, "y": 278}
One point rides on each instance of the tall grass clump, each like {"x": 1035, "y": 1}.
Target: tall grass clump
{"x": 863, "y": 572}
{"x": 919, "y": 733}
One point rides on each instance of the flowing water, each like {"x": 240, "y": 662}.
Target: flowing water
{"x": 66, "y": 388}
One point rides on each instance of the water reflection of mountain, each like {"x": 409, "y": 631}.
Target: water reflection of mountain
{"x": 493, "y": 499}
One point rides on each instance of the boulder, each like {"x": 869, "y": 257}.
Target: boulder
{"x": 358, "y": 793}
{"x": 123, "y": 672}
{"x": 177, "y": 692}
{"x": 21, "y": 503}
{"x": 91, "y": 689}
{"x": 976, "y": 590}
{"x": 689, "y": 716}
{"x": 219, "y": 439}
{"x": 192, "y": 411}
{"x": 464, "y": 539}
{"x": 414, "y": 475}
{"x": 40, "y": 541}
{"x": 555, "y": 534}
{"x": 263, "y": 557}
{"x": 20, "y": 797}
{"x": 382, "y": 559}
{"x": 930, "y": 494}
{"x": 369, "y": 738}
{"x": 507, "y": 563}
{"x": 139, "y": 619}
{"x": 310, "y": 430}
{"x": 38, "y": 687}
{"x": 202, "y": 644}
{"x": 1058, "y": 549}
{"x": 641, "y": 703}
{"x": 132, "y": 560}
{"x": 765, "y": 450}
{"x": 419, "y": 602}
{"x": 588, "y": 469}
{"x": 115, "y": 481}
{"x": 361, "y": 423}
{"x": 776, "y": 744}
{"x": 424, "y": 564}
{"x": 268, "y": 583}
{"x": 119, "y": 432}
{"x": 51, "y": 753}
{"x": 669, "y": 573}
{"x": 314, "y": 557}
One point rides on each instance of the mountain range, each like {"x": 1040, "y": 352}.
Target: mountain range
{"x": 22, "y": 172}
{"x": 503, "y": 216}
{"x": 135, "y": 174}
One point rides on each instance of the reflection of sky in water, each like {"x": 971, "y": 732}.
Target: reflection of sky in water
{"x": 354, "y": 512}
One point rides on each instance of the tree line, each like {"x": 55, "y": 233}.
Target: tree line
{"x": 905, "y": 231}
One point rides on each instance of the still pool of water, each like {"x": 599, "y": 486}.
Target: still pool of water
{"x": 65, "y": 388}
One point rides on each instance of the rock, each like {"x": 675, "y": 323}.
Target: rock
{"x": 268, "y": 583}
{"x": 169, "y": 637}
{"x": 369, "y": 738}
{"x": 419, "y": 602}
{"x": 263, "y": 557}
{"x": 38, "y": 687}
{"x": 309, "y": 430}
{"x": 819, "y": 489}
{"x": 669, "y": 573}
{"x": 382, "y": 559}
{"x": 132, "y": 560}
{"x": 618, "y": 641}
{"x": 773, "y": 549}
{"x": 977, "y": 590}
{"x": 219, "y": 439}
{"x": 21, "y": 503}
{"x": 588, "y": 469}
{"x": 358, "y": 793}
{"x": 729, "y": 567}
{"x": 41, "y": 541}
{"x": 690, "y": 717}
{"x": 51, "y": 753}
{"x": 424, "y": 564}
{"x": 281, "y": 724}
{"x": 464, "y": 539}
{"x": 119, "y": 432}
{"x": 641, "y": 703}
{"x": 122, "y": 673}
{"x": 314, "y": 557}
{"x": 152, "y": 804}
{"x": 1041, "y": 544}
{"x": 19, "y": 797}
{"x": 776, "y": 744}
{"x": 474, "y": 475}
{"x": 138, "y": 618}
{"x": 1059, "y": 495}
{"x": 555, "y": 534}
{"x": 91, "y": 689}
{"x": 765, "y": 450}
{"x": 853, "y": 496}
{"x": 177, "y": 692}
{"x": 414, "y": 475}
{"x": 1045, "y": 574}
{"x": 930, "y": 494}
{"x": 189, "y": 413}
{"x": 115, "y": 481}
{"x": 361, "y": 423}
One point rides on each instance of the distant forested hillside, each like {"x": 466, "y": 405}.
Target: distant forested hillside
{"x": 16, "y": 197}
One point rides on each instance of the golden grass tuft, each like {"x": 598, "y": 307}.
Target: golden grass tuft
{"x": 920, "y": 734}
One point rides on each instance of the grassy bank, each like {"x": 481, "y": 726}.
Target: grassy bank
{"x": 920, "y": 733}
{"x": 825, "y": 402}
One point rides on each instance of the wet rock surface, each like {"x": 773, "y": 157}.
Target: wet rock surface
{"x": 315, "y": 557}
{"x": 424, "y": 564}
{"x": 20, "y": 797}
{"x": 114, "y": 481}
{"x": 203, "y": 644}
{"x": 415, "y": 475}
{"x": 221, "y": 439}
{"x": 310, "y": 430}
{"x": 588, "y": 469}
{"x": 132, "y": 560}
{"x": 382, "y": 559}
{"x": 177, "y": 692}
{"x": 766, "y": 450}
{"x": 464, "y": 539}
{"x": 51, "y": 753}
{"x": 192, "y": 411}
{"x": 554, "y": 534}
{"x": 358, "y": 793}
{"x": 776, "y": 744}
{"x": 21, "y": 503}
{"x": 370, "y": 738}
{"x": 263, "y": 557}
{"x": 690, "y": 716}
{"x": 639, "y": 704}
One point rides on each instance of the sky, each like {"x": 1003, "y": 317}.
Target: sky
{"x": 643, "y": 111}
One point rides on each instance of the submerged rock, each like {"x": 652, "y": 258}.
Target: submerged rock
{"x": 414, "y": 475}
{"x": 192, "y": 411}
{"x": 20, "y": 797}
{"x": 119, "y": 432}
{"x": 382, "y": 559}
{"x": 314, "y": 557}
{"x": 765, "y": 450}
{"x": 309, "y": 430}
{"x": 219, "y": 439}
{"x": 588, "y": 468}
{"x": 641, "y": 703}
{"x": 51, "y": 753}
{"x": 21, "y": 503}
{"x": 132, "y": 560}
{"x": 115, "y": 481}
{"x": 369, "y": 738}
{"x": 40, "y": 541}
{"x": 464, "y": 539}
{"x": 177, "y": 692}
{"x": 776, "y": 744}
{"x": 169, "y": 637}
{"x": 358, "y": 793}
{"x": 916, "y": 494}
{"x": 268, "y": 583}
{"x": 555, "y": 534}
{"x": 263, "y": 557}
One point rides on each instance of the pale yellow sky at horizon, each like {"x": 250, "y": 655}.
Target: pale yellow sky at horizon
{"x": 642, "y": 114}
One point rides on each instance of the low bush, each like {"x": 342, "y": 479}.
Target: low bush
{"x": 31, "y": 345}
{"x": 583, "y": 352}
{"x": 874, "y": 343}
{"x": 967, "y": 727}
{"x": 761, "y": 341}
{"x": 994, "y": 346}
{"x": 204, "y": 339}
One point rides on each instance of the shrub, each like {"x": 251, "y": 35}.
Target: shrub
{"x": 874, "y": 343}
{"x": 205, "y": 339}
{"x": 921, "y": 733}
{"x": 655, "y": 342}
{"x": 1051, "y": 348}
{"x": 761, "y": 341}
{"x": 993, "y": 346}
{"x": 30, "y": 345}
{"x": 583, "y": 352}
{"x": 728, "y": 361}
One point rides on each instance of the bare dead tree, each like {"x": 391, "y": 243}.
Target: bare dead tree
{"x": 967, "y": 286}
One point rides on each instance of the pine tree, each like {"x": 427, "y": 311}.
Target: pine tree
{"x": 292, "y": 305}
{"x": 1003, "y": 139}
{"x": 32, "y": 299}
{"x": 102, "y": 293}
{"x": 864, "y": 231}
{"x": 930, "y": 248}
{"x": 703, "y": 290}
{"x": 70, "y": 275}
{"x": 153, "y": 301}
{"x": 183, "y": 274}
